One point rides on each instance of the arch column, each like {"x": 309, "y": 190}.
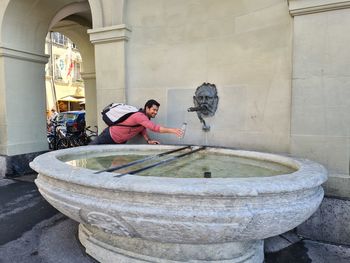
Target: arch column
{"x": 22, "y": 102}
{"x": 90, "y": 98}
{"x": 110, "y": 64}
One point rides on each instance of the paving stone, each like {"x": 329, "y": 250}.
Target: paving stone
{"x": 277, "y": 243}
{"x": 327, "y": 253}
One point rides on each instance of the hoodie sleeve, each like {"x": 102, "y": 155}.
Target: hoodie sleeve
{"x": 145, "y": 122}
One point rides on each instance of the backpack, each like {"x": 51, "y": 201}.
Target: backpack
{"x": 115, "y": 113}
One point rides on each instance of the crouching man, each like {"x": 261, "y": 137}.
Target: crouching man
{"x": 137, "y": 123}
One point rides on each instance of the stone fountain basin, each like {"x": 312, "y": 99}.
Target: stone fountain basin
{"x": 162, "y": 219}
{"x": 181, "y": 210}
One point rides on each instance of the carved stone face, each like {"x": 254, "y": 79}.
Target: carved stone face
{"x": 207, "y": 98}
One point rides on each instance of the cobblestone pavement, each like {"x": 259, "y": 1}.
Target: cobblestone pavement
{"x": 32, "y": 231}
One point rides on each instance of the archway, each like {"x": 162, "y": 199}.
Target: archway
{"x": 77, "y": 33}
{"x": 24, "y": 25}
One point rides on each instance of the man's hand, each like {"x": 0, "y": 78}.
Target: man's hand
{"x": 153, "y": 142}
{"x": 178, "y": 132}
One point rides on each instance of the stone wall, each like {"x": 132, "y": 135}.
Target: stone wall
{"x": 330, "y": 223}
{"x": 320, "y": 127}
{"x": 17, "y": 165}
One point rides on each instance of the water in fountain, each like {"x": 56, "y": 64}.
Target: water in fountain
{"x": 193, "y": 166}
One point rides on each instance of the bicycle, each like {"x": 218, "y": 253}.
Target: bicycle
{"x": 56, "y": 136}
{"x": 91, "y": 134}
{"x": 61, "y": 137}
{"x": 82, "y": 138}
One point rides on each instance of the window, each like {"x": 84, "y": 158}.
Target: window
{"x": 77, "y": 75}
{"x": 59, "y": 66}
{"x": 59, "y": 39}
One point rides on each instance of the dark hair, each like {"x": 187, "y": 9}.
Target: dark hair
{"x": 150, "y": 103}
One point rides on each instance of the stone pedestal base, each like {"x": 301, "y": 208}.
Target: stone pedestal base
{"x": 106, "y": 247}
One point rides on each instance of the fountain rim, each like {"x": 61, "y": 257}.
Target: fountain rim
{"x": 311, "y": 173}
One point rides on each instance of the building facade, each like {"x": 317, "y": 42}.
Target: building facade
{"x": 281, "y": 69}
{"x": 64, "y": 84}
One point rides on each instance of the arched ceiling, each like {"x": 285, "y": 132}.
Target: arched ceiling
{"x": 77, "y": 12}
{"x": 24, "y": 24}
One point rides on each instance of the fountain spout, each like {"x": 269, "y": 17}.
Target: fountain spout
{"x": 200, "y": 112}
{"x": 199, "y": 108}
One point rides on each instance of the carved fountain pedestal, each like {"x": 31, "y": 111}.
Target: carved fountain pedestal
{"x": 155, "y": 219}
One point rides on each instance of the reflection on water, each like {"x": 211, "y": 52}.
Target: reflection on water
{"x": 191, "y": 166}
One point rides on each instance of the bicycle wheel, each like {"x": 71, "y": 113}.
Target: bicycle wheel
{"x": 74, "y": 140}
{"x": 62, "y": 143}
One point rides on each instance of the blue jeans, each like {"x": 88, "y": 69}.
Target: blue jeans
{"x": 103, "y": 138}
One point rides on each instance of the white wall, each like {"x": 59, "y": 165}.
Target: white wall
{"x": 244, "y": 47}
{"x": 321, "y": 89}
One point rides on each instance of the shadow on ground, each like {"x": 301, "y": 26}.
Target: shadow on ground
{"x": 296, "y": 253}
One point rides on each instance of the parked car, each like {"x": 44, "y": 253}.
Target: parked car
{"x": 73, "y": 120}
